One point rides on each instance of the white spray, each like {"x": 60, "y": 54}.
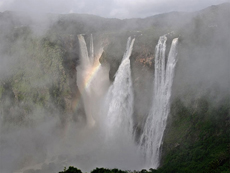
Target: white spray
{"x": 120, "y": 98}
{"x": 92, "y": 79}
{"x": 151, "y": 138}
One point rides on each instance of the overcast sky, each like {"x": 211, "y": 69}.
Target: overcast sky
{"x": 107, "y": 8}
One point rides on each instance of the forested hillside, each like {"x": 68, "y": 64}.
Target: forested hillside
{"x": 38, "y": 59}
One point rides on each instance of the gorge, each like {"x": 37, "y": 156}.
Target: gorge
{"x": 90, "y": 92}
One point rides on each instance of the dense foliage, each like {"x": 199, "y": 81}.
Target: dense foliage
{"x": 71, "y": 169}
{"x": 39, "y": 78}
{"x": 106, "y": 170}
{"x": 198, "y": 137}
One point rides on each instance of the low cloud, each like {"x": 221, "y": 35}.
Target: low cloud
{"x": 113, "y": 8}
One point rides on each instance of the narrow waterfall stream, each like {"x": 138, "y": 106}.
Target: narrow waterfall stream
{"x": 155, "y": 125}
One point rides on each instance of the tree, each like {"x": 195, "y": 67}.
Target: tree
{"x": 71, "y": 170}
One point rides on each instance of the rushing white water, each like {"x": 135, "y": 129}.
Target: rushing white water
{"x": 92, "y": 79}
{"x": 120, "y": 99}
{"x": 84, "y": 57}
{"x": 91, "y": 47}
{"x": 151, "y": 138}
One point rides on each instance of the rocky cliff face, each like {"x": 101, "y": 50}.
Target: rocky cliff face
{"x": 38, "y": 71}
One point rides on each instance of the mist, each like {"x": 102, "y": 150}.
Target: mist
{"x": 111, "y": 9}
{"x": 203, "y": 67}
{"x": 54, "y": 97}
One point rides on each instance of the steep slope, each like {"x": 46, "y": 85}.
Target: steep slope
{"x": 38, "y": 79}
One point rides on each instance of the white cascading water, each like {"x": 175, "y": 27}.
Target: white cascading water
{"x": 119, "y": 146}
{"x": 118, "y": 106}
{"x": 92, "y": 79}
{"x": 91, "y": 47}
{"x": 82, "y": 71}
{"x": 155, "y": 125}
{"x": 120, "y": 99}
{"x": 84, "y": 57}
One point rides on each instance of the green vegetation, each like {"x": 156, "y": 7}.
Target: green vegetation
{"x": 71, "y": 169}
{"x": 105, "y": 170}
{"x": 198, "y": 137}
{"x": 37, "y": 80}
{"x": 41, "y": 77}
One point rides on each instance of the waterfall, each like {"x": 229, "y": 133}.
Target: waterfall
{"x": 92, "y": 79}
{"x": 118, "y": 103}
{"x": 120, "y": 99}
{"x": 155, "y": 125}
{"x": 91, "y": 48}
{"x": 160, "y": 64}
{"x": 84, "y": 57}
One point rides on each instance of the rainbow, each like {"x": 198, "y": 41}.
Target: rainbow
{"x": 91, "y": 69}
{"x": 90, "y": 75}
{"x": 91, "y": 72}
